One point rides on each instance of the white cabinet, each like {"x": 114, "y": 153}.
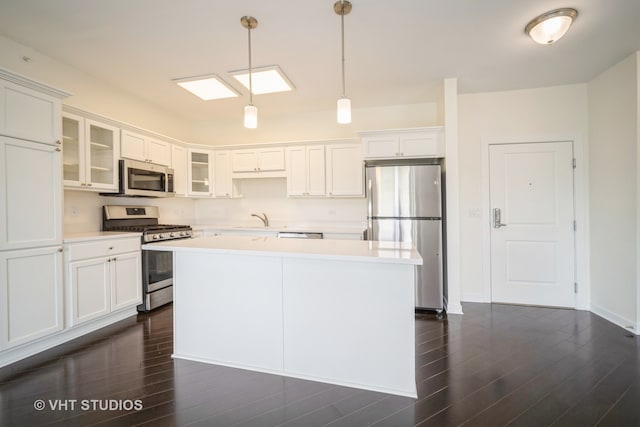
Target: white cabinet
{"x": 103, "y": 276}
{"x": 403, "y": 143}
{"x": 145, "y": 149}
{"x": 91, "y": 151}
{"x": 30, "y": 194}
{"x": 222, "y": 174}
{"x": 179, "y": 166}
{"x": 31, "y": 295}
{"x": 305, "y": 170}
{"x": 27, "y": 113}
{"x": 200, "y": 173}
{"x": 345, "y": 170}
{"x": 258, "y": 160}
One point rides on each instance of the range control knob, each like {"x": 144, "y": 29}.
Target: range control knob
{"x": 172, "y": 234}
{"x": 154, "y": 237}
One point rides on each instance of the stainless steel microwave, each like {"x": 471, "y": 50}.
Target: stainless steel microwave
{"x": 140, "y": 179}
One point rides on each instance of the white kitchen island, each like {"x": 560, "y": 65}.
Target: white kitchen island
{"x": 336, "y": 311}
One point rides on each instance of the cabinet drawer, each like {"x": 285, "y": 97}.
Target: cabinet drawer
{"x": 101, "y": 248}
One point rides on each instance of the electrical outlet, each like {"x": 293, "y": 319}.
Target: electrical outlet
{"x": 74, "y": 211}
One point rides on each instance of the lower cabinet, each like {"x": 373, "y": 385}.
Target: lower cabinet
{"x": 100, "y": 285}
{"x": 31, "y": 295}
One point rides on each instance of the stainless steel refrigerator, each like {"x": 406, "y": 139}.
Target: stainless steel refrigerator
{"x": 406, "y": 205}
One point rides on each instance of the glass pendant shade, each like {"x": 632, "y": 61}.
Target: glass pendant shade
{"x": 250, "y": 116}
{"x": 344, "y": 110}
{"x": 551, "y": 26}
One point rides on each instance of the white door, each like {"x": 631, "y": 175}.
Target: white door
{"x": 532, "y": 223}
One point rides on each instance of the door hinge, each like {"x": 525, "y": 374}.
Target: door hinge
{"x": 575, "y": 287}
{"x": 574, "y": 163}
{"x": 575, "y": 225}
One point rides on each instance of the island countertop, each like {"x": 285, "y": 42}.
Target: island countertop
{"x": 347, "y": 250}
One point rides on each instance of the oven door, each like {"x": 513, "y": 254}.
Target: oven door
{"x": 157, "y": 270}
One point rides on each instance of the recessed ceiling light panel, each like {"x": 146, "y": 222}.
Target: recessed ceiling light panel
{"x": 207, "y": 87}
{"x": 268, "y": 79}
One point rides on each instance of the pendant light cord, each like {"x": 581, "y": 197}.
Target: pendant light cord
{"x": 342, "y": 33}
{"x": 250, "y": 77}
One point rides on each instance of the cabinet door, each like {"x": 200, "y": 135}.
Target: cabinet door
{"x": 158, "y": 152}
{"x": 383, "y": 146}
{"x": 270, "y": 159}
{"x": 73, "y": 151}
{"x": 200, "y": 173}
{"x": 89, "y": 292}
{"x": 315, "y": 171}
{"x": 103, "y": 151}
{"x": 29, "y": 114}
{"x": 296, "y": 171}
{"x": 222, "y": 174}
{"x": 126, "y": 286}
{"x": 30, "y": 194}
{"x": 344, "y": 171}
{"x": 179, "y": 166}
{"x": 420, "y": 144}
{"x": 132, "y": 146}
{"x": 244, "y": 161}
{"x": 31, "y": 295}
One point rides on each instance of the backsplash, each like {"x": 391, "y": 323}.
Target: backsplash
{"x": 83, "y": 210}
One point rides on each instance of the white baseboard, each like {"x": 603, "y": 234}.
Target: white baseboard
{"x": 626, "y": 324}
{"x": 12, "y": 355}
{"x": 475, "y": 298}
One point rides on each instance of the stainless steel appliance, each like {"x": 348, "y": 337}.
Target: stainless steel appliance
{"x": 157, "y": 266}
{"x": 406, "y": 205}
{"x": 141, "y": 179}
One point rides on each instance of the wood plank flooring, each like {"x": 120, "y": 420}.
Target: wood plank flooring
{"x": 496, "y": 365}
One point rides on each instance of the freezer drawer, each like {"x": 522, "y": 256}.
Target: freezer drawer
{"x": 426, "y": 236}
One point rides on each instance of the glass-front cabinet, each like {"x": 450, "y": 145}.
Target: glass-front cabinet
{"x": 200, "y": 168}
{"x": 90, "y": 154}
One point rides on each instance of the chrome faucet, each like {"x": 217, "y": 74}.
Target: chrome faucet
{"x": 263, "y": 218}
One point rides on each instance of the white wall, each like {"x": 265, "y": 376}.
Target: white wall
{"x": 91, "y": 94}
{"x": 317, "y": 125}
{"x": 613, "y": 149}
{"x": 531, "y": 113}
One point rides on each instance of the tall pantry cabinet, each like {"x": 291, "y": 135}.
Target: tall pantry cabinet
{"x": 31, "y": 287}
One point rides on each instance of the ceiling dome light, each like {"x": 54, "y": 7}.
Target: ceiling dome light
{"x": 551, "y": 26}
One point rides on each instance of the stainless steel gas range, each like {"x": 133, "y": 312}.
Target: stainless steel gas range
{"x": 157, "y": 266}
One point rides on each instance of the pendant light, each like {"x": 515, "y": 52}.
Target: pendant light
{"x": 549, "y": 27}
{"x": 343, "y": 7}
{"x": 250, "y": 111}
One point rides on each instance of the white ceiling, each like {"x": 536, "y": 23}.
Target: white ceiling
{"x": 397, "y": 52}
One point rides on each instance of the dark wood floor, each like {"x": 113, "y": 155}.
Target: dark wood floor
{"x": 496, "y": 365}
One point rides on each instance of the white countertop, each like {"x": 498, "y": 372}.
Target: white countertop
{"x": 289, "y": 228}
{"x": 96, "y": 235}
{"x": 339, "y": 250}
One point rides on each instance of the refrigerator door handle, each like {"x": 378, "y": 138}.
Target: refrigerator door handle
{"x": 497, "y": 218}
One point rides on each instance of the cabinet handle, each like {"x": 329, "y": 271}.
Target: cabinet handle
{"x": 58, "y": 142}
{"x": 110, "y": 248}
{"x": 60, "y": 249}
{"x": 58, "y": 149}
{"x": 89, "y": 184}
{"x": 108, "y": 259}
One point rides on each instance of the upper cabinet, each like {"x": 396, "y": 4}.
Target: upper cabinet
{"x": 29, "y": 110}
{"x": 179, "y": 166}
{"x": 345, "y": 170}
{"x": 200, "y": 173}
{"x": 259, "y": 160}
{"x": 223, "y": 182}
{"x": 403, "y": 143}
{"x": 90, "y": 154}
{"x": 305, "y": 171}
{"x": 145, "y": 149}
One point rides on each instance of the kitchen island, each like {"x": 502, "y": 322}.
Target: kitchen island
{"x": 336, "y": 311}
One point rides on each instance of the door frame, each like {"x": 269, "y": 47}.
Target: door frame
{"x": 581, "y": 211}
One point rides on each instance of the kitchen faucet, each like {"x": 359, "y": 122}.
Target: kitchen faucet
{"x": 263, "y": 218}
